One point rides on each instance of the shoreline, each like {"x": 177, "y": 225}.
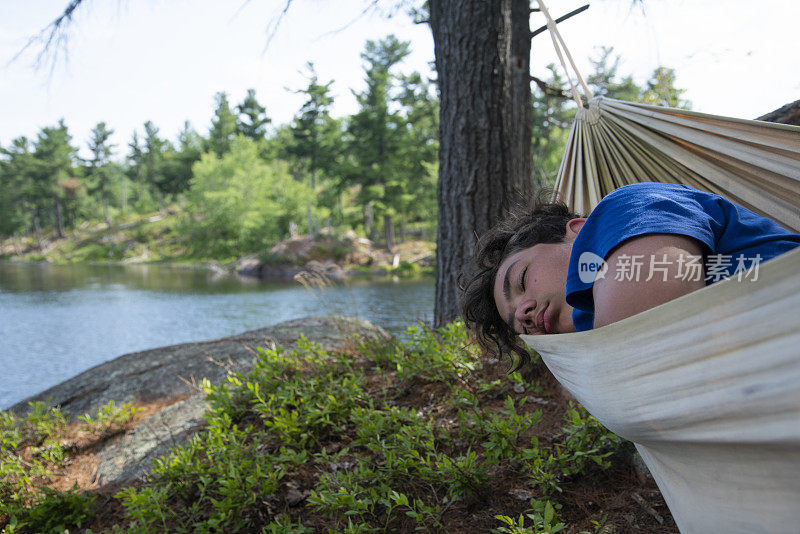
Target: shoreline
{"x": 225, "y": 269}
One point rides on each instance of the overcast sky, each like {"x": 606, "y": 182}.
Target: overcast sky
{"x": 132, "y": 61}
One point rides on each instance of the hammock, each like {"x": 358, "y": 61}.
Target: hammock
{"x": 707, "y": 386}
{"x": 614, "y": 143}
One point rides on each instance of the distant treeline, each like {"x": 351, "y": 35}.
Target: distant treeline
{"x": 240, "y": 185}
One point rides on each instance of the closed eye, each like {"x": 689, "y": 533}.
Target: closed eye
{"x": 522, "y": 278}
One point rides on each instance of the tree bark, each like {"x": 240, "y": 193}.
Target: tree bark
{"x": 59, "y": 213}
{"x": 388, "y": 230}
{"x": 124, "y": 198}
{"x": 37, "y": 231}
{"x": 482, "y": 54}
{"x": 310, "y": 220}
{"x": 369, "y": 222}
{"x": 105, "y": 211}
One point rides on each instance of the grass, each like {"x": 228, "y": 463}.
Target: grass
{"x": 139, "y": 238}
{"x": 395, "y": 437}
{"x": 155, "y": 237}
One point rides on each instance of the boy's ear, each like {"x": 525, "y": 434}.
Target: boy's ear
{"x": 573, "y": 227}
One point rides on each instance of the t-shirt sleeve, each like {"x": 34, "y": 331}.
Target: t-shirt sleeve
{"x": 631, "y": 211}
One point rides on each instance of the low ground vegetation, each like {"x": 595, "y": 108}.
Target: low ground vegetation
{"x": 419, "y": 435}
{"x": 161, "y": 238}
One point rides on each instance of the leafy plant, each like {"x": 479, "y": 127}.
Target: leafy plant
{"x": 382, "y": 459}
{"x": 110, "y": 418}
{"x": 544, "y": 518}
{"x": 586, "y": 441}
{"x": 55, "y": 511}
{"x": 433, "y": 356}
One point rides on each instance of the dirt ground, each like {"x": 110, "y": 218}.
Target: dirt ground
{"x": 623, "y": 495}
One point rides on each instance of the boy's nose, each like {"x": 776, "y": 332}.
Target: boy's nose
{"x": 526, "y": 314}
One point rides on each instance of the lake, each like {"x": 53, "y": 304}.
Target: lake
{"x": 59, "y": 320}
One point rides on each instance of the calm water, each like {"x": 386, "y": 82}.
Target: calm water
{"x": 56, "y": 321}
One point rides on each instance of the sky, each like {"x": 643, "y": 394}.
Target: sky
{"x": 163, "y": 60}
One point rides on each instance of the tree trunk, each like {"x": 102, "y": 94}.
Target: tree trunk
{"x": 388, "y": 230}
{"x": 124, "y": 198}
{"x": 310, "y": 222}
{"x": 59, "y": 217}
{"x": 482, "y": 53}
{"x": 369, "y": 222}
{"x": 105, "y": 212}
{"x": 37, "y": 230}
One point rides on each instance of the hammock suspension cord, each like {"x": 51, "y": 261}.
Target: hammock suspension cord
{"x": 558, "y": 44}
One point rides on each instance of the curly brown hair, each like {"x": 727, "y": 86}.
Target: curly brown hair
{"x": 524, "y": 227}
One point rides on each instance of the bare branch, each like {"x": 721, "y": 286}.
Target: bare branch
{"x": 370, "y": 7}
{"x": 241, "y": 8}
{"x": 54, "y": 39}
{"x": 272, "y": 27}
{"x": 549, "y": 90}
{"x": 560, "y": 19}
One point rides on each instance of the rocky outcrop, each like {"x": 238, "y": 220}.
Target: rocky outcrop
{"x": 173, "y": 372}
{"x": 169, "y": 376}
{"x": 130, "y": 457}
{"x": 331, "y": 259}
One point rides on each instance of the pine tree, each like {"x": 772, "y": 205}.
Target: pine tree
{"x": 661, "y": 90}
{"x": 552, "y": 114}
{"x": 153, "y": 155}
{"x": 223, "y": 126}
{"x": 136, "y": 166}
{"x": 253, "y": 120}
{"x": 604, "y": 80}
{"x": 176, "y": 168}
{"x": 314, "y": 134}
{"x": 411, "y": 192}
{"x": 54, "y": 174}
{"x": 98, "y": 166}
{"x": 375, "y": 133}
{"x": 17, "y": 201}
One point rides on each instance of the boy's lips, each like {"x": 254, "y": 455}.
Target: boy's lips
{"x": 543, "y": 321}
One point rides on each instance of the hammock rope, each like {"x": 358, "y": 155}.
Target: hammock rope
{"x": 558, "y": 44}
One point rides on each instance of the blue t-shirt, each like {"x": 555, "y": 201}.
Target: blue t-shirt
{"x": 729, "y": 234}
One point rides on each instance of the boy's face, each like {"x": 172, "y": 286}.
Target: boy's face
{"x": 530, "y": 287}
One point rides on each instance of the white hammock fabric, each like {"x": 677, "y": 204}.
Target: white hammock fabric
{"x": 613, "y": 143}
{"x": 708, "y": 388}
{"x": 708, "y": 385}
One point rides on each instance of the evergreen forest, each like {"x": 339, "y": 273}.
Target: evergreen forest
{"x": 238, "y": 186}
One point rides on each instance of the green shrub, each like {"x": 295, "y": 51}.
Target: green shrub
{"x": 24, "y": 501}
{"x": 240, "y": 203}
{"x": 54, "y": 511}
{"x": 431, "y": 356}
{"x": 544, "y": 521}
{"x": 377, "y": 465}
{"x": 407, "y": 270}
{"x": 110, "y": 418}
